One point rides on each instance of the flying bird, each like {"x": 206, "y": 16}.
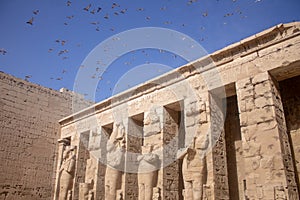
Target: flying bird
{"x": 192, "y": 1}
{"x": 114, "y": 5}
{"x": 95, "y": 23}
{"x": 228, "y": 14}
{"x": 87, "y": 7}
{"x": 97, "y": 29}
{"x": 205, "y": 14}
{"x": 140, "y": 9}
{"x": 3, "y": 51}
{"x": 93, "y": 11}
{"x": 36, "y": 12}
{"x": 123, "y": 11}
{"x": 70, "y": 17}
{"x": 63, "y": 42}
{"x": 30, "y": 21}
{"x": 69, "y": 3}
{"x": 106, "y": 16}
{"x": 99, "y": 9}
{"x": 27, "y": 77}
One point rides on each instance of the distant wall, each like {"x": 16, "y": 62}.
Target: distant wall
{"x": 29, "y": 130}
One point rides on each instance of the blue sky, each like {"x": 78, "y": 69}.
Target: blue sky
{"x": 51, "y": 50}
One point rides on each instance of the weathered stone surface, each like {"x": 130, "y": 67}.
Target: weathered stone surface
{"x": 29, "y": 131}
{"x": 252, "y": 149}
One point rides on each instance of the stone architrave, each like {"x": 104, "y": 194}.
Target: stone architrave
{"x": 194, "y": 168}
{"x": 147, "y": 172}
{"x": 67, "y": 171}
{"x": 115, "y": 160}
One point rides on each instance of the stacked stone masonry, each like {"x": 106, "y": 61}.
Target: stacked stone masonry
{"x": 29, "y": 131}
{"x": 225, "y": 126}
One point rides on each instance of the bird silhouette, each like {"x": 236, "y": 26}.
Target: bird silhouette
{"x": 69, "y": 3}
{"x": 87, "y": 7}
{"x": 27, "y": 77}
{"x": 140, "y": 9}
{"x": 93, "y": 11}
{"x": 95, "y": 23}
{"x": 30, "y": 21}
{"x": 114, "y": 5}
{"x": 3, "y": 51}
{"x": 191, "y": 2}
{"x": 99, "y": 9}
{"x": 70, "y": 17}
{"x": 228, "y": 14}
{"x": 205, "y": 14}
{"x": 123, "y": 11}
{"x": 106, "y": 16}
{"x": 36, "y": 12}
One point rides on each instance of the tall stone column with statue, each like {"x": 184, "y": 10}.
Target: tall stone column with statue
{"x": 115, "y": 160}
{"x": 66, "y": 173}
{"x": 147, "y": 172}
{"x": 194, "y": 168}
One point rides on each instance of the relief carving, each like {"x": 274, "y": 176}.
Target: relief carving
{"x": 115, "y": 160}
{"x": 66, "y": 172}
{"x": 151, "y": 124}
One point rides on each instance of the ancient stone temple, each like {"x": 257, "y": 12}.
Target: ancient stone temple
{"x": 226, "y": 126}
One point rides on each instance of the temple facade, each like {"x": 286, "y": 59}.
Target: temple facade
{"x": 226, "y": 126}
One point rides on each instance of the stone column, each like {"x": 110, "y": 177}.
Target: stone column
{"x": 62, "y": 143}
{"x": 81, "y": 141}
{"x": 266, "y": 151}
{"x": 133, "y": 148}
{"x": 204, "y": 119}
{"x": 217, "y": 155}
{"x": 97, "y": 147}
{"x": 171, "y": 165}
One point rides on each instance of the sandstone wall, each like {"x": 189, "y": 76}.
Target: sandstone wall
{"x": 251, "y": 157}
{"x": 29, "y": 130}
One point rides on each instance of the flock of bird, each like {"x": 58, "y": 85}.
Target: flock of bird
{"x": 116, "y": 11}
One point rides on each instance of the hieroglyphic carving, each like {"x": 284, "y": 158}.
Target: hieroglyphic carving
{"x": 156, "y": 193}
{"x": 67, "y": 171}
{"x": 115, "y": 160}
{"x": 147, "y": 172}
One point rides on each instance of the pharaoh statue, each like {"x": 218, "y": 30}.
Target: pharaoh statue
{"x": 194, "y": 168}
{"x": 66, "y": 172}
{"x": 147, "y": 172}
{"x": 115, "y": 160}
